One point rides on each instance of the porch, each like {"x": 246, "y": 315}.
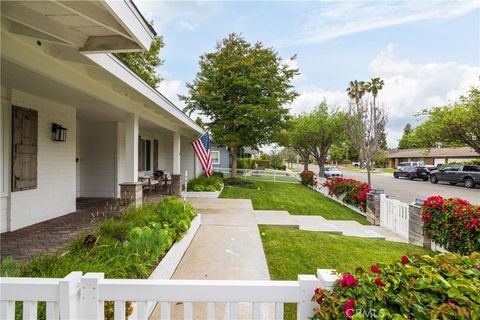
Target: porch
{"x": 54, "y": 234}
{"x": 118, "y": 129}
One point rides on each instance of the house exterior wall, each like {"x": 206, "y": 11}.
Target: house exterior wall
{"x": 224, "y": 157}
{"x": 56, "y": 178}
{"x": 187, "y": 158}
{"x": 97, "y": 160}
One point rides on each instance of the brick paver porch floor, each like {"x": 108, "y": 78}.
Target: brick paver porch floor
{"x": 54, "y": 234}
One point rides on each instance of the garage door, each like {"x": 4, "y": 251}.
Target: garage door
{"x": 438, "y": 161}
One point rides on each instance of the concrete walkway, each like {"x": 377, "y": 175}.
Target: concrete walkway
{"x": 318, "y": 223}
{"x": 227, "y": 246}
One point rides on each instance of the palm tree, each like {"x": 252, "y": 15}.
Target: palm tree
{"x": 374, "y": 86}
{"x": 356, "y": 90}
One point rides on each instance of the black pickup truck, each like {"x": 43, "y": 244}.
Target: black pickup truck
{"x": 469, "y": 175}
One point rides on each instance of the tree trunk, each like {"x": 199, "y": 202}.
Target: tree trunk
{"x": 233, "y": 154}
{"x": 369, "y": 180}
{"x": 321, "y": 168}
{"x": 305, "y": 164}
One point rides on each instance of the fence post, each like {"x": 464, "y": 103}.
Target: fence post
{"x": 305, "y": 305}
{"x": 274, "y": 171}
{"x": 373, "y": 206}
{"x": 416, "y": 232}
{"x": 91, "y": 307}
{"x": 326, "y": 278}
{"x": 68, "y": 296}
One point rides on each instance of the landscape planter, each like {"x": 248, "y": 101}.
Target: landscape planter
{"x": 324, "y": 191}
{"x": 203, "y": 194}
{"x": 169, "y": 263}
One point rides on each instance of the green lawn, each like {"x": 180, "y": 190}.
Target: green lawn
{"x": 295, "y": 198}
{"x": 388, "y": 170}
{"x": 290, "y": 251}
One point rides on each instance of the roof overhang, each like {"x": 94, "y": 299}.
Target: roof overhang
{"x": 89, "y": 26}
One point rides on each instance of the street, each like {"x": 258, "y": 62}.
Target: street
{"x": 406, "y": 190}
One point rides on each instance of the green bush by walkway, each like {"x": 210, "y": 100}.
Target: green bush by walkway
{"x": 290, "y": 251}
{"x": 293, "y": 197}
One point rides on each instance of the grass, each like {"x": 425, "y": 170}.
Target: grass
{"x": 295, "y": 198}
{"x": 389, "y": 170}
{"x": 290, "y": 251}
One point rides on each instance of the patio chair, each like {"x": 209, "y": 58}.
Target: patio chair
{"x": 146, "y": 184}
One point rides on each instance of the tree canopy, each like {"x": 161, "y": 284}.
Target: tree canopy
{"x": 407, "y": 140}
{"x": 455, "y": 124}
{"x": 241, "y": 89}
{"x": 144, "y": 64}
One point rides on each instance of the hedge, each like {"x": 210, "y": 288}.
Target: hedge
{"x": 354, "y": 192}
{"x": 246, "y": 163}
{"x": 452, "y": 223}
{"x": 203, "y": 183}
{"x": 446, "y": 286}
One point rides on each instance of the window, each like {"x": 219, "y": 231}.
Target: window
{"x": 144, "y": 154}
{"x": 471, "y": 168}
{"x": 215, "y": 157}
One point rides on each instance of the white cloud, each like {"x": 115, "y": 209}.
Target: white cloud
{"x": 408, "y": 88}
{"x": 335, "y": 19}
{"x": 184, "y": 25}
{"x": 171, "y": 89}
{"x": 164, "y": 13}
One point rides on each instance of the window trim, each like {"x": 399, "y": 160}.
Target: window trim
{"x": 218, "y": 158}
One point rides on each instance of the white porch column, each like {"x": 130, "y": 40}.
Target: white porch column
{"x": 131, "y": 148}
{"x": 176, "y": 153}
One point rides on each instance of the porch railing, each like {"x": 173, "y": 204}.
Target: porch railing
{"x": 394, "y": 215}
{"x": 83, "y": 297}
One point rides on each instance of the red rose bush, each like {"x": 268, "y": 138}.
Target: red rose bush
{"x": 444, "y": 286}
{"x": 453, "y": 223}
{"x": 353, "y": 191}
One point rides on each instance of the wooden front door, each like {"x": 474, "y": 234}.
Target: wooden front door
{"x": 24, "y": 148}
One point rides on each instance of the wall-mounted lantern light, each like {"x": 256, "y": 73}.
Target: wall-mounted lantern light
{"x": 59, "y": 133}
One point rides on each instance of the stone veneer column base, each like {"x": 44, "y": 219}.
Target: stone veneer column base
{"x": 131, "y": 193}
{"x": 373, "y": 206}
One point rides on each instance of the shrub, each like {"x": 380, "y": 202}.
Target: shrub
{"x": 246, "y": 163}
{"x": 307, "y": 177}
{"x": 241, "y": 183}
{"x": 263, "y": 163}
{"x": 214, "y": 174}
{"x": 211, "y": 183}
{"x": 452, "y": 223}
{"x": 351, "y": 191}
{"x": 416, "y": 287}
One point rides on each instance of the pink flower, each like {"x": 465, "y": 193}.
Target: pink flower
{"x": 375, "y": 269}
{"x": 379, "y": 282}
{"x": 405, "y": 260}
{"x": 348, "y": 280}
{"x": 349, "y": 305}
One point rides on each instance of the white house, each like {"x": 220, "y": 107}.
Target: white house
{"x": 58, "y": 71}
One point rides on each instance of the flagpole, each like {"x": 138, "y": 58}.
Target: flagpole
{"x": 201, "y": 134}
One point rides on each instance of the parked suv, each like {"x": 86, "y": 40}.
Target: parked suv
{"x": 469, "y": 175}
{"x": 411, "y": 164}
{"x": 418, "y": 172}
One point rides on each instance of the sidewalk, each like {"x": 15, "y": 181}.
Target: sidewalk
{"x": 318, "y": 223}
{"x": 227, "y": 246}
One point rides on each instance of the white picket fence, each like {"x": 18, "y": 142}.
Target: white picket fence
{"x": 394, "y": 215}
{"x": 270, "y": 175}
{"x": 83, "y": 297}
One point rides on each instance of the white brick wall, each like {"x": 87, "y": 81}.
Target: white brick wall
{"x": 55, "y": 192}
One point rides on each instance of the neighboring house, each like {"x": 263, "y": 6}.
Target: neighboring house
{"x": 249, "y": 152}
{"x": 433, "y": 156}
{"x": 74, "y": 120}
{"x": 221, "y": 157}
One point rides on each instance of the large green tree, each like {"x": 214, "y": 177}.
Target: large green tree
{"x": 407, "y": 140}
{"x": 296, "y": 136}
{"x": 144, "y": 64}
{"x": 455, "y": 124}
{"x": 241, "y": 88}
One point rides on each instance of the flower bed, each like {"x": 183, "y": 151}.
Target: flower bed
{"x": 202, "y": 184}
{"x": 440, "y": 287}
{"x": 129, "y": 246}
{"x": 307, "y": 177}
{"x": 351, "y": 191}
{"x": 452, "y": 223}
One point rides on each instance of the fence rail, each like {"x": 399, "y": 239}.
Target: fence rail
{"x": 83, "y": 297}
{"x": 271, "y": 175}
{"x": 394, "y": 215}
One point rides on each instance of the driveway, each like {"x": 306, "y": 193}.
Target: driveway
{"x": 406, "y": 190}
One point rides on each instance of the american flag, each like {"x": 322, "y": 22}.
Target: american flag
{"x": 203, "y": 152}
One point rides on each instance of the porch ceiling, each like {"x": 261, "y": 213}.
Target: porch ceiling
{"x": 90, "y": 26}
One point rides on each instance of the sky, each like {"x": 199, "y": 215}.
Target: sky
{"x": 427, "y": 52}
